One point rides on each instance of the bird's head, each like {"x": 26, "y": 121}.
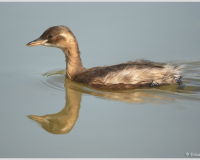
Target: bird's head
{"x": 56, "y": 36}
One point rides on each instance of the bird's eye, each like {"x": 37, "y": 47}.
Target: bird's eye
{"x": 50, "y": 36}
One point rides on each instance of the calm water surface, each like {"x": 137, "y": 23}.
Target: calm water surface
{"x": 44, "y": 115}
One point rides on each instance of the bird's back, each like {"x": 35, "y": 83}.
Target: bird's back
{"x": 130, "y": 75}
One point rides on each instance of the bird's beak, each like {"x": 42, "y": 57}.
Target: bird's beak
{"x": 36, "y": 42}
{"x": 39, "y": 119}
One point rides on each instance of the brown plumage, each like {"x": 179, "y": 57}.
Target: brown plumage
{"x": 121, "y": 76}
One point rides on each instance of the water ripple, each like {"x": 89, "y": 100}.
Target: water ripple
{"x": 189, "y": 91}
{"x": 54, "y": 79}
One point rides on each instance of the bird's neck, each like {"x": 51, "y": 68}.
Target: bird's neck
{"x": 73, "y": 61}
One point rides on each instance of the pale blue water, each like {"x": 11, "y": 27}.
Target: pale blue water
{"x": 156, "y": 123}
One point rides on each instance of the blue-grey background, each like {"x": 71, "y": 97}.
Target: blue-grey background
{"x": 107, "y": 33}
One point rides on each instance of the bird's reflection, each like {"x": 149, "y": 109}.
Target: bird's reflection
{"x": 63, "y": 121}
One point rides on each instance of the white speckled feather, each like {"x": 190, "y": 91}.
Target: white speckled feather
{"x": 133, "y": 75}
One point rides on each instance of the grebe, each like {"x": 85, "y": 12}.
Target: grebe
{"x": 120, "y": 76}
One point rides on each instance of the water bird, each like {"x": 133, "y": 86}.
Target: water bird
{"x": 121, "y": 76}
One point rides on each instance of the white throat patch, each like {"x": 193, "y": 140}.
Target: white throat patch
{"x": 48, "y": 44}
